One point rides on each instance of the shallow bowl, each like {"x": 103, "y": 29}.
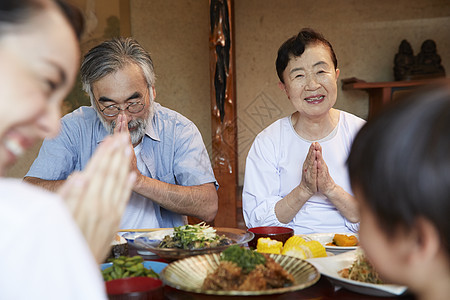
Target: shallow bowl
{"x": 134, "y": 288}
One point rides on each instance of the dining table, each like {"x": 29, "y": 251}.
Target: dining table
{"x": 323, "y": 289}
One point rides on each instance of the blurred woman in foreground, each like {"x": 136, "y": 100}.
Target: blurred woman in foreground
{"x": 44, "y": 254}
{"x": 399, "y": 168}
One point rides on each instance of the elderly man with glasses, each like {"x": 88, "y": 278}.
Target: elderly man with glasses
{"x": 175, "y": 178}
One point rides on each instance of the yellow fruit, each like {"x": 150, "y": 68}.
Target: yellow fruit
{"x": 316, "y": 248}
{"x": 294, "y": 241}
{"x": 267, "y": 245}
{"x": 294, "y": 250}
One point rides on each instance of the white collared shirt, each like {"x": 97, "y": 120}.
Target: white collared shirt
{"x": 274, "y": 168}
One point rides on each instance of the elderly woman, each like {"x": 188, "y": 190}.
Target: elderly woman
{"x": 51, "y": 249}
{"x": 295, "y": 173}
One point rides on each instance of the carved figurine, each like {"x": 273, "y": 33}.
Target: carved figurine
{"x": 221, "y": 39}
{"x": 403, "y": 61}
{"x": 428, "y": 62}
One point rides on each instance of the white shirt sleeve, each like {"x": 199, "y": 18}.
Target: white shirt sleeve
{"x": 261, "y": 186}
{"x": 44, "y": 255}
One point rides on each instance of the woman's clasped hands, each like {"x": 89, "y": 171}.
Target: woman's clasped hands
{"x": 315, "y": 175}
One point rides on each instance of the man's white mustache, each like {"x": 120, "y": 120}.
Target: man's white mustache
{"x": 131, "y": 124}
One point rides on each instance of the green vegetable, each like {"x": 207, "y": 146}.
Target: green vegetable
{"x": 124, "y": 267}
{"x": 193, "y": 237}
{"x": 244, "y": 258}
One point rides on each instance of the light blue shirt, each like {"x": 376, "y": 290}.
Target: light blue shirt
{"x": 274, "y": 168}
{"x": 172, "y": 151}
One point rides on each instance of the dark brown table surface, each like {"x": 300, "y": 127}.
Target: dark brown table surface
{"x": 322, "y": 290}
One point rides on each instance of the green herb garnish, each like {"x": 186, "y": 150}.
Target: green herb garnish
{"x": 193, "y": 237}
{"x": 244, "y": 258}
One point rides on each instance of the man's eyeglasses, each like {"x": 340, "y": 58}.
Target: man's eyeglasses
{"x": 114, "y": 110}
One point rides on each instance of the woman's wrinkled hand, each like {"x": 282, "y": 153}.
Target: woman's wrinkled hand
{"x": 325, "y": 184}
{"x": 315, "y": 175}
{"x": 97, "y": 196}
{"x": 309, "y": 172}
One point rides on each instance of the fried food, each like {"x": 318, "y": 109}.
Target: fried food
{"x": 343, "y": 240}
{"x": 226, "y": 277}
{"x": 266, "y": 274}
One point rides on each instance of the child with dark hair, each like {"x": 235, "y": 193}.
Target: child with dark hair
{"x": 399, "y": 168}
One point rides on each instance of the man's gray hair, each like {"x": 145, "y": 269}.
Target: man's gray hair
{"x": 111, "y": 56}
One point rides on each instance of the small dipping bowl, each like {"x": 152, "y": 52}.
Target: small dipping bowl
{"x": 131, "y": 236}
{"x": 278, "y": 233}
{"x": 135, "y": 288}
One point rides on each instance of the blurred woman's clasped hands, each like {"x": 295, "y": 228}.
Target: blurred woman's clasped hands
{"x": 98, "y": 195}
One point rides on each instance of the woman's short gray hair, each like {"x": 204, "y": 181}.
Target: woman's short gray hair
{"x": 111, "y": 56}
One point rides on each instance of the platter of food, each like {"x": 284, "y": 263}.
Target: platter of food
{"x": 240, "y": 272}
{"x": 337, "y": 267}
{"x": 335, "y": 243}
{"x": 189, "y": 240}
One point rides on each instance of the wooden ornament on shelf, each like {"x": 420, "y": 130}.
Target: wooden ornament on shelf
{"x": 427, "y": 64}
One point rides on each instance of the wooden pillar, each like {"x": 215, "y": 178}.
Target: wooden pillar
{"x": 124, "y": 16}
{"x": 223, "y": 109}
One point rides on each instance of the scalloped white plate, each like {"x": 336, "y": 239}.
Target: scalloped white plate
{"x": 329, "y": 266}
{"x": 188, "y": 274}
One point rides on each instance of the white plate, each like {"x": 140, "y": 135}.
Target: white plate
{"x": 329, "y": 267}
{"x": 325, "y": 238}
